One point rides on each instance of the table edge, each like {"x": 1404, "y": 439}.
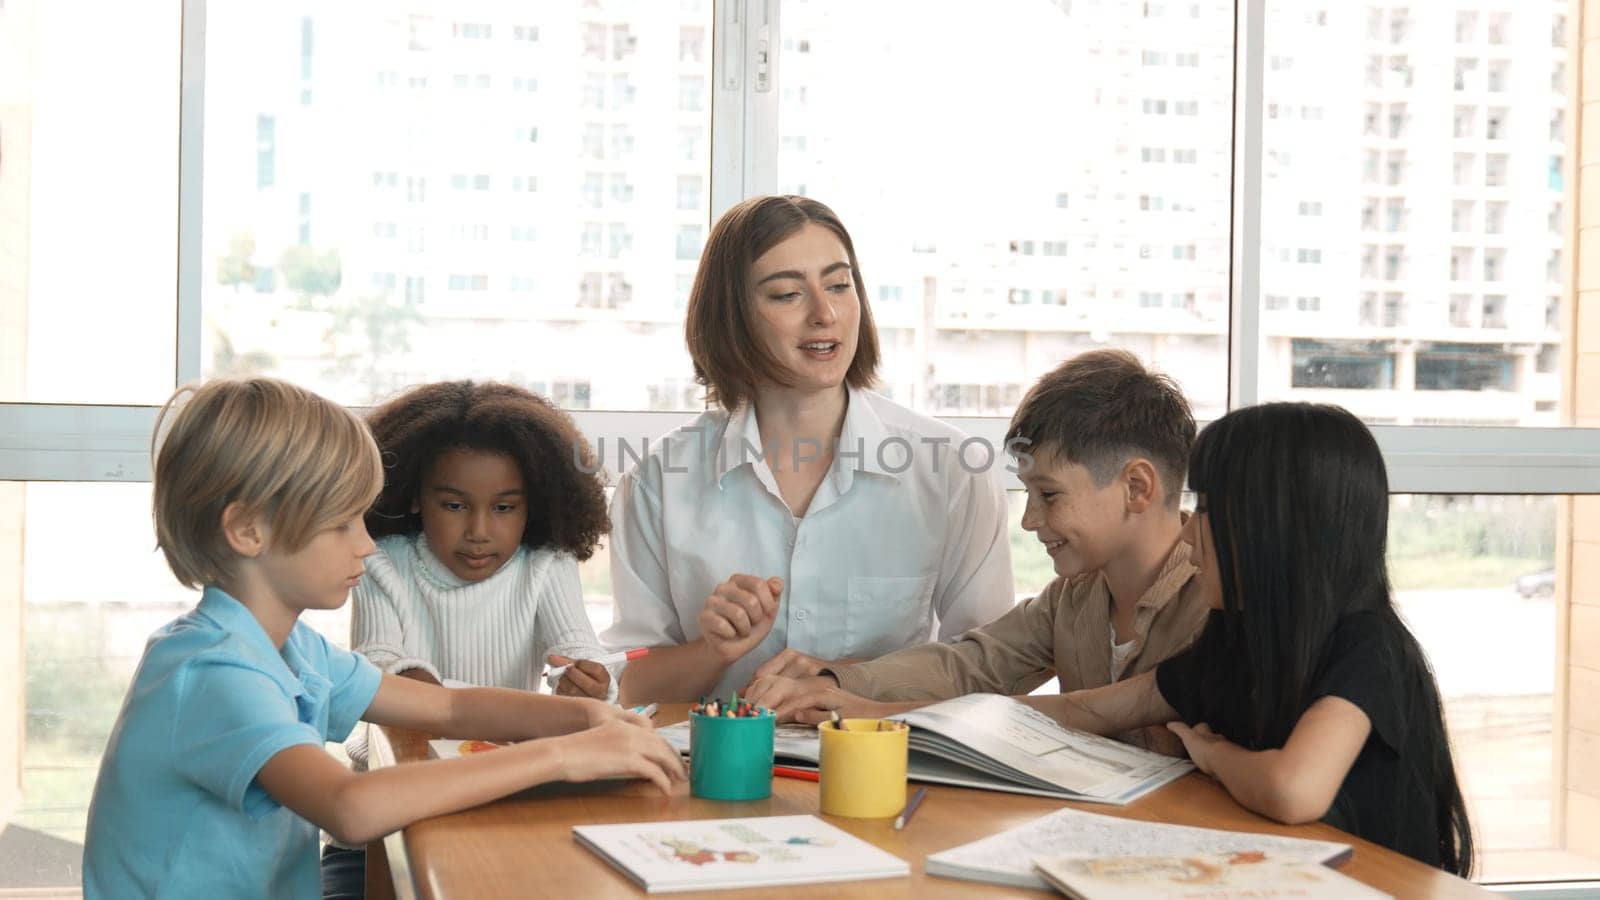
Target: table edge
{"x": 380, "y": 755}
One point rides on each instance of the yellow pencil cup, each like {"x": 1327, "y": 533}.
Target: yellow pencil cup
{"x": 863, "y": 767}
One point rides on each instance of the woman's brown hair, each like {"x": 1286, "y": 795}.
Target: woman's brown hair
{"x": 728, "y": 358}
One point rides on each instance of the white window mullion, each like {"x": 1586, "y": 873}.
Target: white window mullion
{"x": 744, "y": 105}
{"x": 1244, "y": 333}
{"x": 62, "y": 442}
{"x": 191, "y": 144}
{"x": 65, "y": 442}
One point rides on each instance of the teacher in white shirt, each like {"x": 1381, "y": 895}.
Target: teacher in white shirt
{"x": 803, "y": 519}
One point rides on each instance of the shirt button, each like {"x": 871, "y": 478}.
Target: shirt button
{"x": 800, "y": 614}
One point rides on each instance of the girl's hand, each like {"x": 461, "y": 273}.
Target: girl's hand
{"x": 583, "y": 678}
{"x": 739, "y": 614}
{"x": 791, "y": 663}
{"x": 618, "y": 748}
{"x": 1199, "y": 741}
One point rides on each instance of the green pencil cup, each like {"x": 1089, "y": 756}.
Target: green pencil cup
{"x": 731, "y": 759}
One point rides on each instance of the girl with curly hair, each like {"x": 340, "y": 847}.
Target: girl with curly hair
{"x": 490, "y": 499}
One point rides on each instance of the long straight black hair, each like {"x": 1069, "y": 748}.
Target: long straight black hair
{"x": 1298, "y": 500}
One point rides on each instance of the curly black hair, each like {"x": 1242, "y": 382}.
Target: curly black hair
{"x": 564, "y": 484}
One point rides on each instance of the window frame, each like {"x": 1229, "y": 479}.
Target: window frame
{"x": 108, "y": 442}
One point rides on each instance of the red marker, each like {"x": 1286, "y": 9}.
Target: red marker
{"x": 802, "y": 774}
{"x": 607, "y": 660}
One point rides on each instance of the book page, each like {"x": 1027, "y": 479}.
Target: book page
{"x": 1026, "y": 740}
{"x": 1011, "y": 853}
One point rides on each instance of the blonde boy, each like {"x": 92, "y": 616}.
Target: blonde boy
{"x": 215, "y": 781}
{"x": 1109, "y": 441}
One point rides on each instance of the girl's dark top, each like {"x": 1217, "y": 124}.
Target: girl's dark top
{"x": 1388, "y": 796}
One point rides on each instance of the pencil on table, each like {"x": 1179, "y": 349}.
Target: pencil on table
{"x": 911, "y": 807}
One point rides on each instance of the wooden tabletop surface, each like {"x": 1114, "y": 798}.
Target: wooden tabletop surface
{"x": 523, "y": 846}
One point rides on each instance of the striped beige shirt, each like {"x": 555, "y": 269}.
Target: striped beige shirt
{"x": 1060, "y": 632}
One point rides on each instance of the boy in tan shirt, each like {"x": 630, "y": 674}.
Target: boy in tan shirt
{"x": 1109, "y": 443}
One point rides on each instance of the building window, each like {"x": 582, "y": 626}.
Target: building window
{"x": 266, "y": 152}
{"x": 1464, "y": 367}
{"x": 690, "y": 187}
{"x": 1494, "y": 311}
{"x": 692, "y": 93}
{"x": 1341, "y": 365}
{"x": 1494, "y": 217}
{"x": 691, "y": 43}
{"x": 1494, "y": 169}
{"x": 1497, "y": 123}
{"x": 688, "y": 242}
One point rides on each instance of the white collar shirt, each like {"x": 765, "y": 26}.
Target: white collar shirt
{"x": 905, "y": 538}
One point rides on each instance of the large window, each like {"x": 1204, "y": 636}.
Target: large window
{"x": 1369, "y": 209}
{"x": 90, "y": 202}
{"x": 393, "y": 196}
{"x": 1026, "y": 211}
{"x": 1450, "y": 253}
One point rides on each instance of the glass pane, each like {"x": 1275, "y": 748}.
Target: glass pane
{"x": 1412, "y": 209}
{"x": 1064, "y": 185}
{"x": 1473, "y": 576}
{"x": 508, "y": 190}
{"x": 82, "y": 639}
{"x": 88, "y": 202}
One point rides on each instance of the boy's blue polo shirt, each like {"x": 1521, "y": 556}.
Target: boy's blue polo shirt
{"x": 176, "y": 810}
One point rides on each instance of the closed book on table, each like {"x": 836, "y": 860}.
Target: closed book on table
{"x": 709, "y": 854}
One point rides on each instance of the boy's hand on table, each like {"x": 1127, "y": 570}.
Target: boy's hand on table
{"x": 739, "y": 614}
{"x": 619, "y": 748}
{"x": 773, "y": 691}
{"x": 583, "y": 678}
{"x": 812, "y": 701}
{"x": 791, "y": 663}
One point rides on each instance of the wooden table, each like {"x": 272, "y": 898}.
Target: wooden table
{"x": 523, "y": 846}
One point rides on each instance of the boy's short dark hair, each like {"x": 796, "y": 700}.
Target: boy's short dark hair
{"x": 1100, "y": 409}
{"x": 563, "y": 483}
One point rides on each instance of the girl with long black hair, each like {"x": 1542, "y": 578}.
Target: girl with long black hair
{"x": 1305, "y": 695}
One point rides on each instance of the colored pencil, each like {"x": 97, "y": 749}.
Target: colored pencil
{"x": 911, "y": 807}
{"x": 802, "y": 774}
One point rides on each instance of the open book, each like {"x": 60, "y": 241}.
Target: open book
{"x": 995, "y": 743}
{"x": 731, "y": 853}
{"x": 1009, "y": 857}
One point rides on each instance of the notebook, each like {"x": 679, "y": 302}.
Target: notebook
{"x": 1008, "y": 857}
{"x": 709, "y": 854}
{"x": 1247, "y": 875}
{"x": 996, "y": 743}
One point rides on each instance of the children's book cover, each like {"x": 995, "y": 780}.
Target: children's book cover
{"x": 1257, "y": 875}
{"x": 730, "y": 853}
